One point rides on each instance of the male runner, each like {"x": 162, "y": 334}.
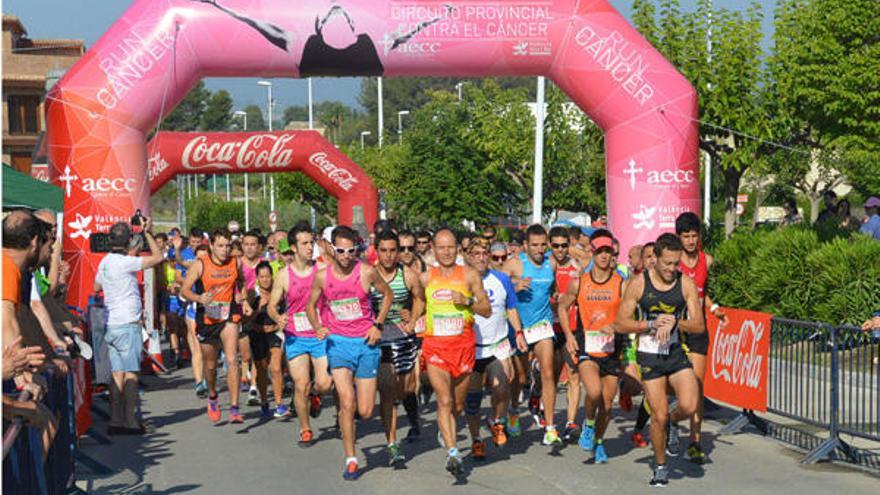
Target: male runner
{"x": 303, "y": 349}
{"x": 567, "y": 269}
{"x": 695, "y": 264}
{"x": 453, "y": 294}
{"x": 668, "y": 304}
{"x": 493, "y": 351}
{"x": 252, "y": 249}
{"x": 221, "y": 283}
{"x": 597, "y": 348}
{"x": 534, "y": 277}
{"x": 184, "y": 258}
{"x": 497, "y": 256}
{"x": 399, "y": 344}
{"x": 423, "y": 247}
{"x": 265, "y": 338}
{"x": 348, "y": 323}
{"x": 408, "y": 255}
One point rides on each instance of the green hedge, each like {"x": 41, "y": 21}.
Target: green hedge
{"x": 795, "y": 273}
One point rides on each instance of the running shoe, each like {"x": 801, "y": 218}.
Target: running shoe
{"x": 394, "y": 455}
{"x": 253, "y": 397}
{"x": 425, "y": 393}
{"x": 478, "y": 450}
{"x": 265, "y": 411}
{"x": 453, "y": 463}
{"x": 498, "y": 435}
{"x": 351, "y": 472}
{"x": 639, "y": 440}
{"x": 695, "y": 454}
{"x": 235, "y": 415}
{"x": 673, "y": 443}
{"x": 281, "y": 411}
{"x": 202, "y": 389}
{"x": 599, "y": 456}
{"x": 588, "y": 436}
{"x": 214, "y": 410}
{"x": 570, "y": 429}
{"x": 551, "y": 437}
{"x": 305, "y": 438}
{"x": 314, "y": 405}
{"x": 626, "y": 401}
{"x": 535, "y": 409}
{"x": 413, "y": 434}
{"x": 245, "y": 385}
{"x": 513, "y": 425}
{"x": 661, "y": 476}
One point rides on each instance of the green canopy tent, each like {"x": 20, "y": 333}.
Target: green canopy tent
{"x": 23, "y": 191}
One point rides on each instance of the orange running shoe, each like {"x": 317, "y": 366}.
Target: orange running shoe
{"x": 478, "y": 450}
{"x": 214, "y": 410}
{"x": 235, "y": 415}
{"x": 638, "y": 440}
{"x": 498, "y": 435}
{"x": 305, "y": 438}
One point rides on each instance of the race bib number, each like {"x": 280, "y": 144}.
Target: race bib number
{"x": 650, "y": 344}
{"x": 598, "y": 342}
{"x": 301, "y": 322}
{"x": 346, "y": 309}
{"x": 448, "y": 325}
{"x": 502, "y": 349}
{"x": 420, "y": 325}
{"x": 217, "y": 311}
{"x": 539, "y": 331}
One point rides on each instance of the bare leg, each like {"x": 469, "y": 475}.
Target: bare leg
{"x": 387, "y": 395}
{"x": 441, "y": 381}
{"x": 229, "y": 338}
{"x": 209, "y": 353}
{"x": 262, "y": 378}
{"x": 198, "y": 368}
{"x": 129, "y": 399}
{"x": 475, "y": 386}
{"x": 603, "y": 418}
{"x": 343, "y": 377}
{"x": 117, "y": 416}
{"x": 276, "y": 355}
{"x": 699, "y": 363}
{"x": 299, "y": 371}
{"x": 544, "y": 353}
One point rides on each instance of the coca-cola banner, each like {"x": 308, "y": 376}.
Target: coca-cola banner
{"x": 738, "y": 359}
{"x": 173, "y": 153}
{"x": 101, "y": 112}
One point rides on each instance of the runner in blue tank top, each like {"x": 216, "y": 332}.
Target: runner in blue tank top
{"x": 534, "y": 277}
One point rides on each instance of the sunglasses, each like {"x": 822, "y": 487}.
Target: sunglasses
{"x": 271, "y": 248}
{"x": 340, "y": 250}
{"x": 488, "y": 237}
{"x": 407, "y": 249}
{"x": 422, "y": 242}
{"x": 499, "y": 258}
{"x": 563, "y": 245}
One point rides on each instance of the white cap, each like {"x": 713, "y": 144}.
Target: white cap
{"x": 232, "y": 226}
{"x": 328, "y": 233}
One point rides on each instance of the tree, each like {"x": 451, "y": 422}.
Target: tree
{"x": 187, "y": 116}
{"x": 218, "y": 112}
{"x": 300, "y": 188}
{"x": 255, "y": 121}
{"x": 295, "y": 113}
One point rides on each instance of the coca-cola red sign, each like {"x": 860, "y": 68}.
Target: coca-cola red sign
{"x": 738, "y": 359}
{"x": 254, "y": 152}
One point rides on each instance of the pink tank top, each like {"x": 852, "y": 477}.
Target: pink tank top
{"x": 250, "y": 274}
{"x": 298, "y": 291}
{"x": 346, "y": 310}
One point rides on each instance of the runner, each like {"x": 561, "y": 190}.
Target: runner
{"x": 221, "y": 284}
{"x": 184, "y": 258}
{"x": 408, "y": 255}
{"x": 251, "y": 249}
{"x": 423, "y": 247}
{"x": 695, "y": 264}
{"x": 302, "y": 347}
{"x": 497, "y": 256}
{"x": 668, "y": 304}
{"x": 171, "y": 305}
{"x": 453, "y": 294}
{"x": 399, "y": 345}
{"x": 597, "y": 347}
{"x": 352, "y": 332}
{"x": 567, "y": 270}
{"x": 649, "y": 258}
{"x": 534, "y": 277}
{"x": 493, "y": 351}
{"x": 266, "y": 339}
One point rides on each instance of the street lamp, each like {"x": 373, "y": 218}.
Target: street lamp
{"x": 311, "y": 119}
{"x": 381, "y": 111}
{"x": 458, "y": 88}
{"x": 363, "y": 135}
{"x": 400, "y": 125}
{"x": 269, "y": 104}
{"x": 247, "y": 208}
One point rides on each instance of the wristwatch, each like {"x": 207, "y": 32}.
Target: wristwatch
{"x": 471, "y": 300}
{"x": 650, "y": 326}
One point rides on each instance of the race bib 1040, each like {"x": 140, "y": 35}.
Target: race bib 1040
{"x": 448, "y": 325}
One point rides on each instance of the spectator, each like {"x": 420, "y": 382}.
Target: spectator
{"x": 845, "y": 219}
{"x": 872, "y": 325}
{"x": 117, "y": 277}
{"x": 830, "y": 211}
{"x": 872, "y": 220}
{"x": 791, "y": 217}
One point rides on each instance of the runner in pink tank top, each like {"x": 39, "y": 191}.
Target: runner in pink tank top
{"x": 346, "y": 310}
{"x": 251, "y": 247}
{"x": 298, "y": 290}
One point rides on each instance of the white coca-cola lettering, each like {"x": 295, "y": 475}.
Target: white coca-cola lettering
{"x": 155, "y": 166}
{"x": 342, "y": 177}
{"x": 735, "y": 356}
{"x": 252, "y": 153}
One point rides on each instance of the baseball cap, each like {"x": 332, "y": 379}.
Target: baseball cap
{"x": 327, "y": 235}
{"x": 283, "y": 246}
{"x": 872, "y": 202}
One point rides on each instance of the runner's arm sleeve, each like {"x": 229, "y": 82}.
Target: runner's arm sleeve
{"x": 510, "y": 300}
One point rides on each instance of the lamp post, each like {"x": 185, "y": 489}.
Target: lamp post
{"x": 311, "y": 119}
{"x": 400, "y": 125}
{"x": 363, "y": 135}
{"x": 381, "y": 115}
{"x": 538, "y": 185}
{"x": 247, "y": 207}
{"x": 269, "y": 104}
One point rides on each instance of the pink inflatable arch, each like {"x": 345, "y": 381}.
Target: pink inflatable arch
{"x": 173, "y": 153}
{"x": 100, "y": 113}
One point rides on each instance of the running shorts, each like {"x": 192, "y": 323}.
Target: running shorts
{"x": 297, "y": 346}
{"x": 353, "y": 353}
{"x": 455, "y": 356}
{"x": 696, "y": 343}
{"x": 655, "y": 366}
{"x": 262, "y": 342}
{"x": 480, "y": 365}
{"x": 210, "y": 333}
{"x": 402, "y": 353}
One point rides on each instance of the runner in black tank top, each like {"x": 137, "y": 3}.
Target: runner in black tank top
{"x": 667, "y": 304}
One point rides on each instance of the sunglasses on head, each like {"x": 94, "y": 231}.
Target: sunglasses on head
{"x": 340, "y": 250}
{"x": 563, "y": 245}
{"x": 407, "y": 249}
{"x": 502, "y": 257}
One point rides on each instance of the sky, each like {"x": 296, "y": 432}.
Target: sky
{"x": 66, "y": 19}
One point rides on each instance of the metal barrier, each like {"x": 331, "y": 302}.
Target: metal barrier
{"x": 24, "y": 470}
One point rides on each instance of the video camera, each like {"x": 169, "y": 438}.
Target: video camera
{"x": 102, "y": 243}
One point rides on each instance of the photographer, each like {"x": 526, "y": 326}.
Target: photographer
{"x": 117, "y": 277}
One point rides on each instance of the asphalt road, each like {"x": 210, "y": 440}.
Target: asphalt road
{"x": 185, "y": 453}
